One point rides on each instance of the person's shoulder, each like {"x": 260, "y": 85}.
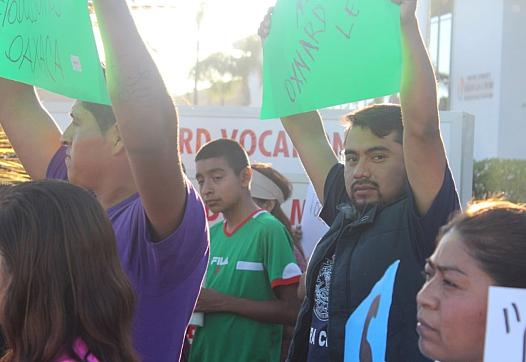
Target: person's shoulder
{"x": 130, "y": 215}
{"x": 267, "y": 227}
{"x": 336, "y": 173}
{"x": 334, "y": 194}
{"x": 265, "y": 220}
{"x": 127, "y": 207}
{"x": 445, "y": 202}
{"x": 56, "y": 168}
{"x": 194, "y": 211}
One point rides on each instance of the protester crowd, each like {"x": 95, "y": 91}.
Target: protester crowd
{"x": 107, "y": 255}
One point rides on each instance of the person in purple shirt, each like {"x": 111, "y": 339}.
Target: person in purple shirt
{"x": 127, "y": 155}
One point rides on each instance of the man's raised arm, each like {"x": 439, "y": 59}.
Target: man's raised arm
{"x": 30, "y": 129}
{"x": 310, "y": 140}
{"x": 146, "y": 117}
{"x": 424, "y": 153}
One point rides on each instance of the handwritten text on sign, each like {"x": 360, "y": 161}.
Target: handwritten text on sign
{"x": 324, "y": 53}
{"x": 506, "y": 325}
{"x": 32, "y": 50}
{"x": 309, "y": 45}
{"x": 49, "y": 43}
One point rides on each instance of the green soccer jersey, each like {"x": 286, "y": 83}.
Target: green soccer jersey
{"x": 248, "y": 263}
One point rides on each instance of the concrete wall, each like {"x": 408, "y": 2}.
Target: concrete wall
{"x": 488, "y": 74}
{"x": 476, "y": 69}
{"x": 511, "y": 143}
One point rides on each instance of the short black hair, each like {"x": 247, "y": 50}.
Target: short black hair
{"x": 381, "y": 119}
{"x": 102, "y": 113}
{"x": 230, "y": 150}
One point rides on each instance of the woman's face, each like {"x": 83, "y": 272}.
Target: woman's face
{"x": 452, "y": 304}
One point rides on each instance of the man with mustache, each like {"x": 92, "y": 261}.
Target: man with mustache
{"x": 386, "y": 202}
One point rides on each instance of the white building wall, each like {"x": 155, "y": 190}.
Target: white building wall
{"x": 476, "y": 69}
{"x": 422, "y": 14}
{"x": 512, "y": 132}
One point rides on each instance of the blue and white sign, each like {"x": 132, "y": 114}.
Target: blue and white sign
{"x": 366, "y": 328}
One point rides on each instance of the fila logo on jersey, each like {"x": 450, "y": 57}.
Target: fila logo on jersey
{"x": 218, "y": 260}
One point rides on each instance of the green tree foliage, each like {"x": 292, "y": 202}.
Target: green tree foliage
{"x": 228, "y": 73}
{"x": 500, "y": 178}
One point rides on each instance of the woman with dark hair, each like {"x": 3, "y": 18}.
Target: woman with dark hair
{"x": 63, "y": 294}
{"x": 269, "y": 189}
{"x": 482, "y": 247}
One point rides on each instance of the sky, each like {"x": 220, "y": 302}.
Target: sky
{"x": 169, "y": 29}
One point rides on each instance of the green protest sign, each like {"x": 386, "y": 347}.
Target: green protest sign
{"x": 322, "y": 53}
{"x": 50, "y": 44}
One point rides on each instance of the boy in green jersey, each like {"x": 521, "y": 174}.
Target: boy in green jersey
{"x": 252, "y": 278}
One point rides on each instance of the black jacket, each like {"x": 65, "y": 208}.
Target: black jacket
{"x": 365, "y": 244}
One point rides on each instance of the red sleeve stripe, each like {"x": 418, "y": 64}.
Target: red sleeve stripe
{"x": 282, "y": 282}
